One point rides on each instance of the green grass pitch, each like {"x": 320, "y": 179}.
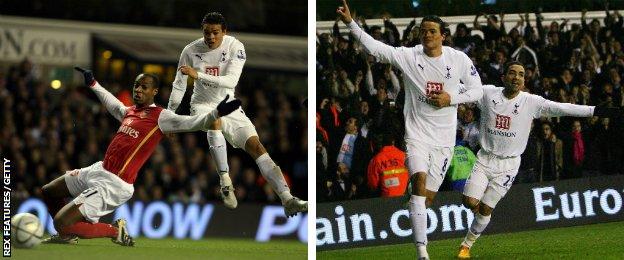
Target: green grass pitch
{"x": 599, "y": 241}
{"x": 91, "y": 249}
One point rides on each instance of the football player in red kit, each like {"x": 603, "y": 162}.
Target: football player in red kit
{"x": 99, "y": 189}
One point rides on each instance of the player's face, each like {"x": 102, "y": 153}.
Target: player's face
{"x": 430, "y": 35}
{"x": 144, "y": 90}
{"x": 514, "y": 78}
{"x": 213, "y": 35}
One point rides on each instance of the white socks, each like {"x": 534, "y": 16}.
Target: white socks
{"x": 418, "y": 217}
{"x": 479, "y": 224}
{"x": 273, "y": 175}
{"x": 218, "y": 150}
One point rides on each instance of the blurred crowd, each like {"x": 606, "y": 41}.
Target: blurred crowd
{"x": 360, "y": 100}
{"x": 46, "y": 132}
{"x": 258, "y": 16}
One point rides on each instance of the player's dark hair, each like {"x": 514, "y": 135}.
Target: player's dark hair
{"x": 435, "y": 19}
{"x": 375, "y": 27}
{"x": 154, "y": 78}
{"x": 215, "y": 18}
{"x": 509, "y": 64}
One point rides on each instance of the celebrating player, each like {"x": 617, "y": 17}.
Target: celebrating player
{"x": 102, "y": 187}
{"x": 506, "y": 116}
{"x": 215, "y": 62}
{"x": 431, "y": 73}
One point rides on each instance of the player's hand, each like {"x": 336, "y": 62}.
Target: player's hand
{"x": 186, "y": 70}
{"x": 605, "y": 111}
{"x": 345, "y": 14}
{"x": 87, "y": 74}
{"x": 440, "y": 99}
{"x": 225, "y": 108}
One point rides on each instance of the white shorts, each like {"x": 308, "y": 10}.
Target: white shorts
{"x": 97, "y": 191}
{"x": 433, "y": 160}
{"x": 236, "y": 126}
{"x": 491, "y": 177}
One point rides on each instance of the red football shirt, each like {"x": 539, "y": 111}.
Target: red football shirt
{"x": 134, "y": 142}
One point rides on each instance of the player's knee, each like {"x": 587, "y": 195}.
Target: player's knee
{"x": 60, "y": 222}
{"x": 418, "y": 181}
{"x": 470, "y": 202}
{"x": 428, "y": 202}
{"x": 47, "y": 190}
{"x": 485, "y": 210}
{"x": 254, "y": 147}
{"x": 216, "y": 125}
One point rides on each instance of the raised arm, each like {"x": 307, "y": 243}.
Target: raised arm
{"x": 385, "y": 53}
{"x": 169, "y": 122}
{"x": 112, "y": 104}
{"x": 179, "y": 84}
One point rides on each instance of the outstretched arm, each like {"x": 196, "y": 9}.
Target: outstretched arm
{"x": 386, "y": 53}
{"x": 169, "y": 122}
{"x": 112, "y": 104}
{"x": 550, "y": 108}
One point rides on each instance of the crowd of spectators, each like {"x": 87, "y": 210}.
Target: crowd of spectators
{"x": 258, "y": 16}
{"x": 46, "y": 132}
{"x": 360, "y": 100}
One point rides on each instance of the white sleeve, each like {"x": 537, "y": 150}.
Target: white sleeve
{"x": 179, "y": 84}
{"x": 234, "y": 69}
{"x": 170, "y": 122}
{"x": 386, "y": 53}
{"x": 550, "y": 108}
{"x": 112, "y": 104}
{"x": 472, "y": 82}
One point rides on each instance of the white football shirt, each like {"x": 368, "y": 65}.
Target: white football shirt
{"x": 506, "y": 123}
{"x": 218, "y": 71}
{"x": 422, "y": 74}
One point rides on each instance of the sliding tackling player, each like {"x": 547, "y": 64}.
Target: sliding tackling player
{"x": 105, "y": 185}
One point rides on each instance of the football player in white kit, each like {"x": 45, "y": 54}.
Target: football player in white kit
{"x": 506, "y": 116}
{"x": 215, "y": 62}
{"x": 431, "y": 73}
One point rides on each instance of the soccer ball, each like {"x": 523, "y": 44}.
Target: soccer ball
{"x": 26, "y": 230}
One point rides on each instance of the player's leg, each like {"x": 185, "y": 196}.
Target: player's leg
{"x": 430, "y": 165}
{"x": 479, "y": 223}
{"x": 96, "y": 193}
{"x": 218, "y": 151}
{"x": 273, "y": 174}
{"x": 418, "y": 212}
{"x": 54, "y": 194}
{"x": 71, "y": 222}
{"x": 474, "y": 190}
